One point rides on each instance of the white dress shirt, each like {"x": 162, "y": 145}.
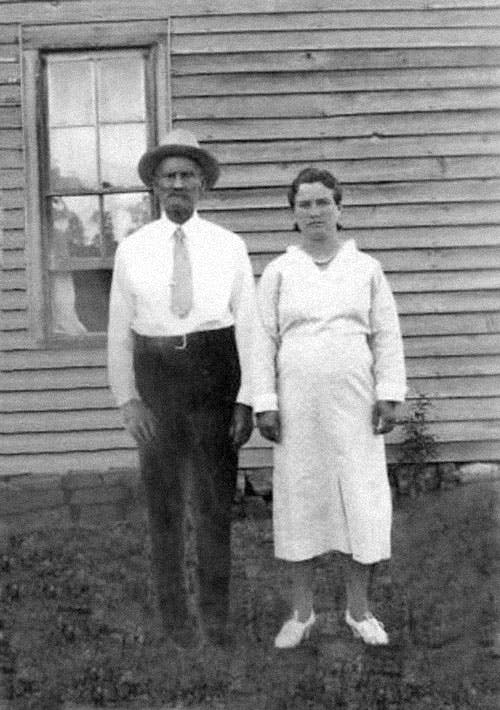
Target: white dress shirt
{"x": 223, "y": 295}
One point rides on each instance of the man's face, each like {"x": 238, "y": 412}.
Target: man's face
{"x": 178, "y": 184}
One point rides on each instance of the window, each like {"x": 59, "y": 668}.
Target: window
{"x": 95, "y": 97}
{"x": 96, "y": 131}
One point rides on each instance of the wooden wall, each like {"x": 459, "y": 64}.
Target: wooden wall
{"x": 399, "y": 98}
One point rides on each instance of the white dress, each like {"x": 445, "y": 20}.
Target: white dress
{"x": 328, "y": 346}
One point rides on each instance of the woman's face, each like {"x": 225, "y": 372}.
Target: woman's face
{"x": 315, "y": 210}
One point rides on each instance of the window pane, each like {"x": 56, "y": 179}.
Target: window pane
{"x": 123, "y": 214}
{"x": 96, "y": 133}
{"x": 92, "y": 298}
{"x": 121, "y": 148}
{"x": 73, "y": 159}
{"x": 79, "y": 301}
{"x": 76, "y": 226}
{"x": 71, "y": 94}
{"x": 121, "y": 88}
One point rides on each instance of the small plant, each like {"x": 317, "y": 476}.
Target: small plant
{"x": 417, "y": 449}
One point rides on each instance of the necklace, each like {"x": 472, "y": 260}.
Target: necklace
{"x": 324, "y": 261}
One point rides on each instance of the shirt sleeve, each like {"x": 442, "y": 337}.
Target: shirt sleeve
{"x": 266, "y": 341}
{"x": 120, "y": 342}
{"x": 243, "y": 308}
{"x": 386, "y": 341}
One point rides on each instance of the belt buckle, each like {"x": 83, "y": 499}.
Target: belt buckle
{"x": 183, "y": 344}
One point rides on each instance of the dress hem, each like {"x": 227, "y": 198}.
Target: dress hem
{"x": 357, "y": 558}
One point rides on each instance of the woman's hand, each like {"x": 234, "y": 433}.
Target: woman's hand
{"x": 384, "y": 416}
{"x": 269, "y": 425}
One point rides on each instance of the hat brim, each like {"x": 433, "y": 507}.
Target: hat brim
{"x": 152, "y": 158}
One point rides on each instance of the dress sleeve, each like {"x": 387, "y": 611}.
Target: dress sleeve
{"x": 243, "y": 307}
{"x": 266, "y": 341}
{"x": 386, "y": 341}
{"x": 120, "y": 343}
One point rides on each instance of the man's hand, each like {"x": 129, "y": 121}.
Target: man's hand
{"x": 139, "y": 421}
{"x": 242, "y": 424}
{"x": 270, "y": 425}
{"x": 384, "y": 416}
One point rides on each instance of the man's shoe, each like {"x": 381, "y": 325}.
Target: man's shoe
{"x": 370, "y": 629}
{"x": 294, "y": 631}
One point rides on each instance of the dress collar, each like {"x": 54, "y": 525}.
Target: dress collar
{"x": 346, "y": 248}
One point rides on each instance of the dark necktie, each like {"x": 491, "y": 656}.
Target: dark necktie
{"x": 181, "y": 293}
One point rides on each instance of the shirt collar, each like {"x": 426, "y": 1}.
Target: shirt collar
{"x": 188, "y": 227}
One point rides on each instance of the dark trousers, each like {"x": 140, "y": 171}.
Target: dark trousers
{"x": 189, "y": 472}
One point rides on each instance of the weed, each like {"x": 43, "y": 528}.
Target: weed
{"x": 417, "y": 450}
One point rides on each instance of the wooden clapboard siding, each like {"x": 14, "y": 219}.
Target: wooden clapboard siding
{"x": 481, "y": 17}
{"x": 60, "y": 441}
{"x": 14, "y": 300}
{"x": 374, "y": 146}
{"x": 10, "y": 118}
{"x": 449, "y": 411}
{"x": 372, "y": 216}
{"x": 11, "y": 198}
{"x": 411, "y": 325}
{"x": 99, "y": 411}
{"x": 60, "y": 462}
{"x": 392, "y": 238}
{"x": 339, "y": 103}
{"x": 375, "y": 170}
{"x": 336, "y": 59}
{"x": 410, "y": 133}
{"x": 56, "y": 369}
{"x": 370, "y": 124}
{"x": 400, "y": 98}
{"x": 37, "y": 12}
{"x": 353, "y": 217}
{"x": 216, "y": 42}
{"x": 57, "y": 400}
{"x": 330, "y": 81}
{"x": 358, "y": 194}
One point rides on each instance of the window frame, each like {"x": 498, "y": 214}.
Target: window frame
{"x": 36, "y": 41}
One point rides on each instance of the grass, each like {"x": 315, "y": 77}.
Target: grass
{"x": 79, "y": 624}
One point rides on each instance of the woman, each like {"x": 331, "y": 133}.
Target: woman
{"x": 329, "y": 372}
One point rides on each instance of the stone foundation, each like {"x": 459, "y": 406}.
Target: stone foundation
{"x": 88, "y": 497}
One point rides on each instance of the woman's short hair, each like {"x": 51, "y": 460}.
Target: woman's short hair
{"x": 315, "y": 175}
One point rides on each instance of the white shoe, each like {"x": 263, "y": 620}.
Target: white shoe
{"x": 294, "y": 631}
{"x": 370, "y": 629}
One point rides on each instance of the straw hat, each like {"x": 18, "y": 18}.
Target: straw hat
{"x": 179, "y": 142}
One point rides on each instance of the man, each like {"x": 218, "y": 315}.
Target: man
{"x": 182, "y": 311}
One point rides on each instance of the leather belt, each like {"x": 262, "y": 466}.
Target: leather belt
{"x": 183, "y": 340}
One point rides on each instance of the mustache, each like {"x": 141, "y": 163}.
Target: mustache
{"x": 173, "y": 192}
